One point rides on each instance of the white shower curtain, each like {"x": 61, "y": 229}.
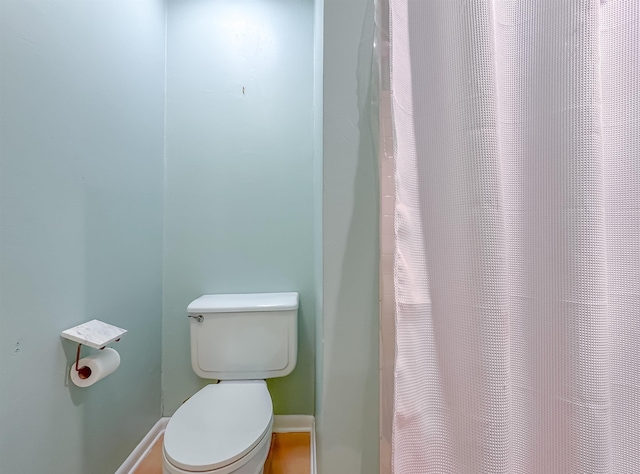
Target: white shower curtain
{"x": 517, "y": 265}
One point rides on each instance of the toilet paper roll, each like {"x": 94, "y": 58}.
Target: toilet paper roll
{"x": 95, "y": 367}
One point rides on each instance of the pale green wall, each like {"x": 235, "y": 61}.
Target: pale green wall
{"x": 318, "y": 87}
{"x": 81, "y": 166}
{"x": 80, "y": 238}
{"x": 239, "y": 205}
{"x": 347, "y": 417}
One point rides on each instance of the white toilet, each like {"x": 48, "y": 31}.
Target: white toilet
{"x": 240, "y": 340}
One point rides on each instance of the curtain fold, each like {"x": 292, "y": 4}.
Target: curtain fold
{"x": 517, "y": 264}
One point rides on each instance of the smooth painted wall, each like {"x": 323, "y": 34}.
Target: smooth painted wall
{"x": 239, "y": 204}
{"x": 347, "y": 417}
{"x": 81, "y": 170}
{"x": 318, "y": 89}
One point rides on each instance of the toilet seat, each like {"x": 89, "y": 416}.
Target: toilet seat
{"x": 218, "y": 425}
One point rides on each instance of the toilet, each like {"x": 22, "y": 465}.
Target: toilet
{"x": 238, "y": 340}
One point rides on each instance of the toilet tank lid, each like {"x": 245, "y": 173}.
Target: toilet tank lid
{"x": 244, "y": 303}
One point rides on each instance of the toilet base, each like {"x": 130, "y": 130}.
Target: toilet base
{"x": 251, "y": 463}
{"x": 165, "y": 471}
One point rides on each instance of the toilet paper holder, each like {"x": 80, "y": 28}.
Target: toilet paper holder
{"x": 96, "y": 334}
{"x": 85, "y": 372}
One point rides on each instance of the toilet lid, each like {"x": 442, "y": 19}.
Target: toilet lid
{"x": 218, "y": 425}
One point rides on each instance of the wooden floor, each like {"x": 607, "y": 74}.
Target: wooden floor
{"x": 290, "y": 453}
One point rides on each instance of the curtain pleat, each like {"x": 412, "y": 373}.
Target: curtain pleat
{"x": 517, "y": 266}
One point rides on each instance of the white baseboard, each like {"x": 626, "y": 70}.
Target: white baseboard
{"x": 293, "y": 423}
{"x": 281, "y": 424}
{"x": 137, "y": 455}
{"x": 314, "y": 464}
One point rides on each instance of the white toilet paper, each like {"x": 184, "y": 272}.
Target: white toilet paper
{"x": 95, "y": 367}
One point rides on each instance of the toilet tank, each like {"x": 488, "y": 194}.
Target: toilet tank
{"x": 245, "y": 336}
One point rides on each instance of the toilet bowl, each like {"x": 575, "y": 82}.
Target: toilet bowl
{"x": 240, "y": 340}
{"x": 225, "y": 428}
